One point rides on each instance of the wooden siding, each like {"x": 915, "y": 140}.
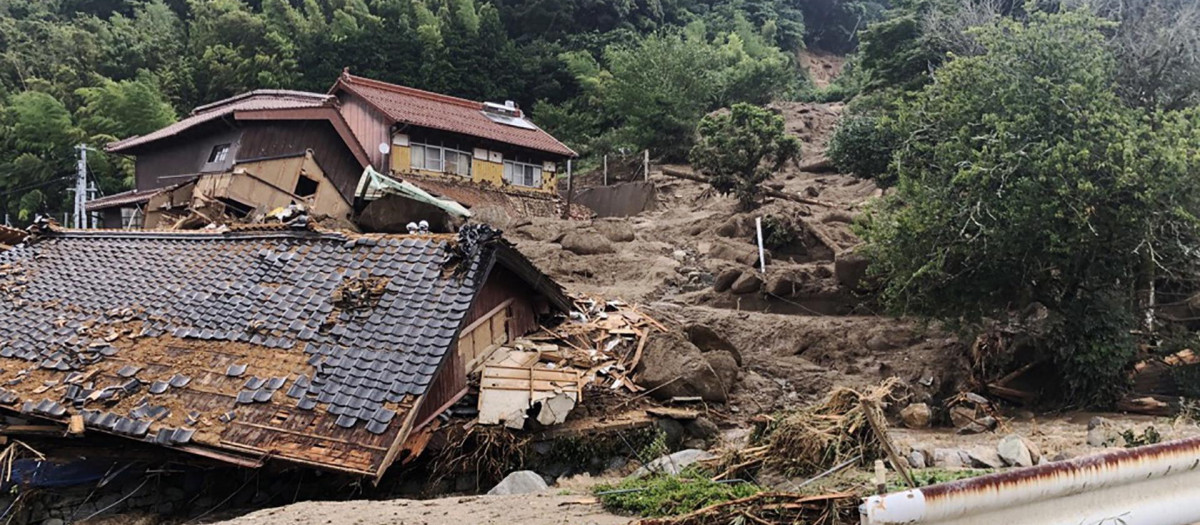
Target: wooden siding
{"x": 267, "y": 139}
{"x": 172, "y": 161}
{"x": 370, "y": 127}
{"x": 502, "y": 285}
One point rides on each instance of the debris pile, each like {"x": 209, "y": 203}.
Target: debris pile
{"x": 545, "y": 375}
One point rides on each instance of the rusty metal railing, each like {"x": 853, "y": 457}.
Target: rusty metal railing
{"x": 1151, "y": 485}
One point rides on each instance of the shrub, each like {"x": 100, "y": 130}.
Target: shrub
{"x": 863, "y": 146}
{"x": 740, "y": 149}
{"x": 671, "y": 495}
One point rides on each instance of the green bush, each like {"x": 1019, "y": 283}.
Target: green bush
{"x": 740, "y": 149}
{"x": 863, "y": 146}
{"x": 671, "y": 495}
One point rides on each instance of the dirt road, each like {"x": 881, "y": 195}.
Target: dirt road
{"x": 525, "y": 509}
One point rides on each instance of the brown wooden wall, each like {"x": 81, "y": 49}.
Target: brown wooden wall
{"x": 262, "y": 139}
{"x": 171, "y": 161}
{"x": 452, "y": 377}
{"x": 369, "y": 126}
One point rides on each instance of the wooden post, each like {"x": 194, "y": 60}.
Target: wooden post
{"x": 646, "y": 163}
{"x": 570, "y": 191}
{"x": 605, "y": 174}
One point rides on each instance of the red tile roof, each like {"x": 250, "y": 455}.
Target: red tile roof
{"x": 443, "y": 112}
{"x": 262, "y": 99}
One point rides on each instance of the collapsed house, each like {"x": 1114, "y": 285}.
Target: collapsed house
{"x": 238, "y": 157}
{"x": 266, "y": 342}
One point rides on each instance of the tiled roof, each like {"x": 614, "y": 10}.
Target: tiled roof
{"x": 120, "y": 199}
{"x": 262, "y": 99}
{"x": 432, "y": 110}
{"x": 311, "y": 347}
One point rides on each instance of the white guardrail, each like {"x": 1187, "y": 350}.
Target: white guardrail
{"x": 1151, "y": 485}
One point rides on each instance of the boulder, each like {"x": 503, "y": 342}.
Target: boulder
{"x": 615, "y": 230}
{"x": 748, "y": 282}
{"x": 985, "y": 458}
{"x": 708, "y": 340}
{"x": 782, "y": 285}
{"x": 702, "y": 428}
{"x": 586, "y": 243}
{"x": 673, "y": 366}
{"x": 961, "y": 416}
{"x": 725, "y": 279}
{"x": 519, "y": 482}
{"x": 673, "y": 464}
{"x": 916, "y": 459}
{"x": 851, "y": 269}
{"x": 916, "y": 415}
{"x": 1013, "y": 451}
{"x": 947, "y": 458}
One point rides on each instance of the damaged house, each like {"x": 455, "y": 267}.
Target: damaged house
{"x": 477, "y": 154}
{"x": 238, "y": 157}
{"x": 279, "y": 342}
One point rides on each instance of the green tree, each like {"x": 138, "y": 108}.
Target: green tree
{"x": 36, "y": 141}
{"x": 740, "y": 149}
{"x": 1024, "y": 180}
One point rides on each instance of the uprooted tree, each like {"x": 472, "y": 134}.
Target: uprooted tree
{"x": 1023, "y": 180}
{"x": 739, "y": 150}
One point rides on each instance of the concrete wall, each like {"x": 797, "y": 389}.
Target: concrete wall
{"x": 620, "y": 200}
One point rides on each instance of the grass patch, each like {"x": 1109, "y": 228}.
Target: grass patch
{"x": 671, "y": 495}
{"x": 933, "y": 476}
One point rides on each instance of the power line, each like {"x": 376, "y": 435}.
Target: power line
{"x": 34, "y": 186}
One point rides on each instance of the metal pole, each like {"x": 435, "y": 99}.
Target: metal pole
{"x": 570, "y": 191}
{"x": 762, "y": 257}
{"x": 646, "y": 163}
{"x": 606, "y": 169}
{"x": 80, "y": 188}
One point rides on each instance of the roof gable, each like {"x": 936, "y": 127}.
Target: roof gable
{"x": 426, "y": 109}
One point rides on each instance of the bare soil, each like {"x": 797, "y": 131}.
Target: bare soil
{"x": 527, "y": 509}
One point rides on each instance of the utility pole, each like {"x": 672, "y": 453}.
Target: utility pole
{"x": 566, "y": 214}
{"x": 81, "y": 190}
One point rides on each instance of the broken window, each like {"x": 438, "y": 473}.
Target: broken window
{"x": 305, "y": 187}
{"x": 219, "y": 153}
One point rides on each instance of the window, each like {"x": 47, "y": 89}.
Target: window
{"x": 218, "y": 154}
{"x": 437, "y": 158}
{"x": 305, "y": 186}
{"x": 522, "y": 174}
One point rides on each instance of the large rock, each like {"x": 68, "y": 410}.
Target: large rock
{"x": 519, "y": 482}
{"x": 673, "y": 464}
{"x": 615, "y": 230}
{"x": 749, "y": 282}
{"x": 1013, "y": 451}
{"x": 673, "y": 366}
{"x": 851, "y": 270}
{"x": 947, "y": 458}
{"x": 702, "y": 428}
{"x": 586, "y": 243}
{"x": 708, "y": 340}
{"x": 916, "y": 415}
{"x": 985, "y": 458}
{"x": 725, "y": 279}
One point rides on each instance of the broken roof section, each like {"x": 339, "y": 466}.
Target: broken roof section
{"x": 405, "y": 105}
{"x": 310, "y": 347}
{"x": 262, "y": 104}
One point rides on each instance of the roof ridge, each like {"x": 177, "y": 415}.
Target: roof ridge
{"x": 275, "y": 93}
{"x": 406, "y": 90}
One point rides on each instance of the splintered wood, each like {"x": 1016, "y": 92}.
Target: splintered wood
{"x": 600, "y": 345}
